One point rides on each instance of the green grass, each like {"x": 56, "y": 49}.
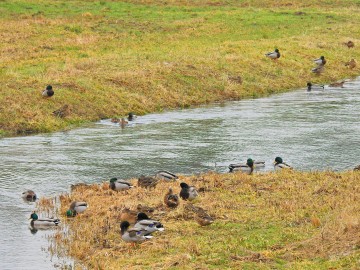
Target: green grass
{"x": 106, "y": 58}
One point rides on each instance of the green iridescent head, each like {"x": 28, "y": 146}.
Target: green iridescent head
{"x": 70, "y": 213}
{"x": 278, "y": 160}
{"x": 250, "y": 162}
{"x": 34, "y": 216}
{"x": 112, "y": 180}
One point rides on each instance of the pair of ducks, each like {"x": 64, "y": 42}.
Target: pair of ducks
{"x": 251, "y": 164}
{"x": 74, "y": 209}
{"x": 317, "y": 87}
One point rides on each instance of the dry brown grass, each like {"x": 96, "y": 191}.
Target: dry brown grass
{"x": 282, "y": 220}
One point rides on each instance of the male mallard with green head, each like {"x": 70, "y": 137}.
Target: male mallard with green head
{"x": 132, "y": 235}
{"x": 117, "y": 185}
{"x": 42, "y": 222}
{"x": 76, "y": 208}
{"x": 279, "y": 164}
{"x": 168, "y": 176}
{"x": 314, "y": 87}
{"x": 188, "y": 192}
{"x": 320, "y": 61}
{"x": 148, "y": 224}
{"x": 273, "y": 55}
{"x": 249, "y": 166}
{"x": 48, "y": 92}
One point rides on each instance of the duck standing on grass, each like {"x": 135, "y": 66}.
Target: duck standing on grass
{"x": 188, "y": 192}
{"x": 273, "y": 55}
{"x": 76, "y": 208}
{"x": 350, "y": 44}
{"x": 313, "y": 87}
{"x": 42, "y": 222}
{"x": 48, "y": 92}
{"x": 171, "y": 200}
{"x": 128, "y": 215}
{"x": 147, "y": 181}
{"x": 320, "y": 61}
{"x": 147, "y": 224}
{"x": 117, "y": 185}
{"x": 132, "y": 235}
{"x": 279, "y": 164}
{"x": 29, "y": 196}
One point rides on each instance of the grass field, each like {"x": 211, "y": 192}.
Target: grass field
{"x": 107, "y": 58}
{"x": 284, "y": 220}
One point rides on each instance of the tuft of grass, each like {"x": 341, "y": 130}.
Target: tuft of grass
{"x": 282, "y": 220}
{"x": 106, "y": 58}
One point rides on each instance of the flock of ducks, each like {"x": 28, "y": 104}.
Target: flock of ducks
{"x": 320, "y": 62}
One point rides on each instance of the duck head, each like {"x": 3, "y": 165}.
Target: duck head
{"x": 250, "y": 162}
{"x": 278, "y": 160}
{"x": 184, "y": 185}
{"x": 112, "y": 180}
{"x": 49, "y": 87}
{"x": 124, "y": 226}
{"x": 34, "y": 216}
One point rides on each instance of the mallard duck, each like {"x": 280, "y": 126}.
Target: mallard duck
{"x": 62, "y": 112}
{"x": 279, "y": 164}
{"x": 337, "y": 84}
{"x": 144, "y": 208}
{"x": 29, "y": 195}
{"x": 48, "y": 92}
{"x": 131, "y": 116}
{"x": 357, "y": 168}
{"x": 115, "y": 120}
{"x": 76, "y": 208}
{"x": 201, "y": 216}
{"x": 171, "y": 199}
{"x": 123, "y": 122}
{"x": 128, "y": 215}
{"x": 148, "y": 224}
{"x": 166, "y": 175}
{"x": 318, "y": 70}
{"x": 147, "y": 181}
{"x": 204, "y": 219}
{"x": 273, "y": 55}
{"x": 42, "y": 222}
{"x": 246, "y": 167}
{"x": 320, "y": 61}
{"x": 313, "y": 87}
{"x": 350, "y": 44}
{"x": 351, "y": 64}
{"x": 188, "y": 192}
{"x": 117, "y": 185}
{"x": 132, "y": 235}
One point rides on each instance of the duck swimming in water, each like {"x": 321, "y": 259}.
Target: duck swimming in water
{"x": 249, "y": 166}
{"x": 131, "y": 116}
{"x": 29, "y": 195}
{"x": 42, "y": 222}
{"x": 314, "y": 87}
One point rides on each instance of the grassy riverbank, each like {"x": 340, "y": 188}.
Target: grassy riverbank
{"x": 285, "y": 220}
{"x": 107, "y": 58}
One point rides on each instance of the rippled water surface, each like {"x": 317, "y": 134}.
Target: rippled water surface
{"x": 311, "y": 131}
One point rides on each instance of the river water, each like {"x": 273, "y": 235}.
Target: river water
{"x": 310, "y": 131}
